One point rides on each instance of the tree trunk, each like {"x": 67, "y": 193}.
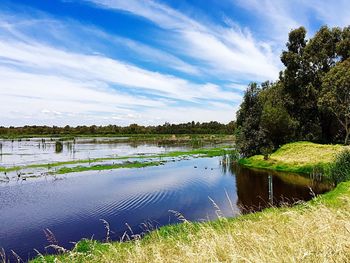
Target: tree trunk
{"x": 347, "y": 137}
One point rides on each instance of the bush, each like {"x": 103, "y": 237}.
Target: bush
{"x": 58, "y": 147}
{"x": 340, "y": 169}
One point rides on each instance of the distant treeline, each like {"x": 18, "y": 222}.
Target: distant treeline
{"x": 310, "y": 100}
{"x": 212, "y": 127}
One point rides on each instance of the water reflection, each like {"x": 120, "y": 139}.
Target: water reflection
{"x": 41, "y": 150}
{"x": 271, "y": 188}
{"x": 72, "y": 207}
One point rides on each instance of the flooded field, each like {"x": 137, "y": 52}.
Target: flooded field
{"x": 72, "y": 207}
{"x": 43, "y": 150}
{"x": 63, "y": 209}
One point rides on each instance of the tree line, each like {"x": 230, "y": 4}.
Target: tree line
{"x": 309, "y": 101}
{"x": 212, "y": 127}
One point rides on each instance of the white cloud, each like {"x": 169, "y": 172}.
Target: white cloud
{"x": 44, "y": 84}
{"x": 229, "y": 52}
{"x": 278, "y": 17}
{"x": 333, "y": 13}
{"x": 74, "y": 35}
{"x": 43, "y": 58}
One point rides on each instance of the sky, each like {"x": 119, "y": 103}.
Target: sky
{"x": 100, "y": 62}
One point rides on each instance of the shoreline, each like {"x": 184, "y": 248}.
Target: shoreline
{"x": 282, "y": 229}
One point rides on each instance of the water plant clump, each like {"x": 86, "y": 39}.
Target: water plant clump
{"x": 58, "y": 147}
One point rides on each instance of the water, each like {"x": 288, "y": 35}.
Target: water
{"x": 73, "y": 206}
{"x": 39, "y": 150}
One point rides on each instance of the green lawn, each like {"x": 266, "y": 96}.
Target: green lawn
{"x": 298, "y": 157}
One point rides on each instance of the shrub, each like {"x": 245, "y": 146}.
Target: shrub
{"x": 58, "y": 147}
{"x": 340, "y": 169}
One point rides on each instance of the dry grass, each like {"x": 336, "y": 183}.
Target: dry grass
{"x": 318, "y": 231}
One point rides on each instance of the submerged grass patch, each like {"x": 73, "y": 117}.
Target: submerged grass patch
{"x": 75, "y": 169}
{"x": 312, "y": 232}
{"x": 202, "y": 152}
{"x": 298, "y": 157}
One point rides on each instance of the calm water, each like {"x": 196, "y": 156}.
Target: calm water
{"x": 73, "y": 206}
{"x": 34, "y": 150}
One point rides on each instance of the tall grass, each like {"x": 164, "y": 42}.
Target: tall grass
{"x": 308, "y": 233}
{"x": 340, "y": 169}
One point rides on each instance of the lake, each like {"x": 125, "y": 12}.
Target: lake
{"x": 71, "y": 206}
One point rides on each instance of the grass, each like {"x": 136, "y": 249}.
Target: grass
{"x": 317, "y": 231}
{"x": 203, "y": 152}
{"x": 297, "y": 157}
{"x": 65, "y": 170}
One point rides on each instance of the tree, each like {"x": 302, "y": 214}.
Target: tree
{"x": 343, "y": 47}
{"x": 250, "y": 138}
{"x": 335, "y": 95}
{"x": 298, "y": 85}
{"x": 291, "y": 108}
{"x": 275, "y": 119}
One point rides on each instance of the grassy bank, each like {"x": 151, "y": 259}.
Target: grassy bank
{"x": 297, "y": 157}
{"x": 317, "y": 231}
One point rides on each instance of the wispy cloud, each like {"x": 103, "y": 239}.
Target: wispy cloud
{"x": 41, "y": 58}
{"x": 42, "y": 82}
{"x": 226, "y": 51}
{"x": 278, "y": 17}
{"x": 186, "y": 68}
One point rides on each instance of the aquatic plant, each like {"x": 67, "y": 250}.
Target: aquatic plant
{"x": 58, "y": 147}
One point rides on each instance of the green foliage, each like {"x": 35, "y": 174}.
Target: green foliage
{"x": 335, "y": 95}
{"x": 340, "y": 169}
{"x": 276, "y": 122}
{"x": 100, "y": 167}
{"x": 84, "y": 246}
{"x": 297, "y": 157}
{"x": 296, "y": 107}
{"x": 343, "y": 46}
{"x": 212, "y": 127}
{"x": 250, "y": 137}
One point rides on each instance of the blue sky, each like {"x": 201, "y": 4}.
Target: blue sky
{"x": 147, "y": 62}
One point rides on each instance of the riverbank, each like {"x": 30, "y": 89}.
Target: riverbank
{"x": 315, "y": 231}
{"x": 297, "y": 157}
